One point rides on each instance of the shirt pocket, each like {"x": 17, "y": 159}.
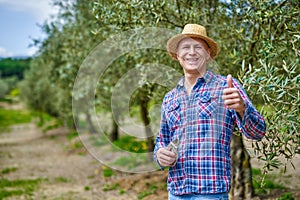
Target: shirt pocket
{"x": 173, "y": 115}
{"x": 207, "y": 106}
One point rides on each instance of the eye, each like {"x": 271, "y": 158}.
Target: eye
{"x": 198, "y": 47}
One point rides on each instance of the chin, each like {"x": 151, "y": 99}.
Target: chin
{"x": 193, "y": 67}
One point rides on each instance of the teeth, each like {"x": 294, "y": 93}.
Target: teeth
{"x": 192, "y": 59}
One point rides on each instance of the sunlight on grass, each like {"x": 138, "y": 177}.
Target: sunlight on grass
{"x": 11, "y": 188}
{"x": 12, "y": 117}
{"x": 131, "y": 144}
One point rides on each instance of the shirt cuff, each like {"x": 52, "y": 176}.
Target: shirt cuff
{"x": 242, "y": 121}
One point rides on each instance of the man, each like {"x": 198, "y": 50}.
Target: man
{"x": 198, "y": 118}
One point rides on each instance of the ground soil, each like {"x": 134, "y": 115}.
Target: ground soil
{"x": 72, "y": 173}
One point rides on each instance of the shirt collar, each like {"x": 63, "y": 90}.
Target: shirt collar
{"x": 208, "y": 76}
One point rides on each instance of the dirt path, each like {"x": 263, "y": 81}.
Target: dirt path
{"x": 69, "y": 172}
{"x": 39, "y": 155}
{"x": 66, "y": 169}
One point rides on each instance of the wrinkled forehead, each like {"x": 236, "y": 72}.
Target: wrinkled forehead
{"x": 193, "y": 40}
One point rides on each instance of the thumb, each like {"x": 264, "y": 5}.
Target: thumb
{"x": 229, "y": 81}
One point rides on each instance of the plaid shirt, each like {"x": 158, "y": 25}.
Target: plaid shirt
{"x": 204, "y": 127}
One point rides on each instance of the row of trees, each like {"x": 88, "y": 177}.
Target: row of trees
{"x": 11, "y": 71}
{"x": 13, "y": 67}
{"x": 259, "y": 43}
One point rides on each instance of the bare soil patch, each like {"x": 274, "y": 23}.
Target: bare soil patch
{"x": 72, "y": 173}
{"x": 68, "y": 173}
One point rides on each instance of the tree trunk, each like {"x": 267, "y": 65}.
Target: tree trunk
{"x": 41, "y": 118}
{"x": 241, "y": 179}
{"x": 146, "y": 121}
{"x": 75, "y": 122}
{"x": 90, "y": 124}
{"x": 114, "y": 135}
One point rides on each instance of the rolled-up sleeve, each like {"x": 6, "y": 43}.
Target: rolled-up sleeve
{"x": 252, "y": 125}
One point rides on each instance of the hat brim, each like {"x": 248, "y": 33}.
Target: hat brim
{"x": 173, "y": 42}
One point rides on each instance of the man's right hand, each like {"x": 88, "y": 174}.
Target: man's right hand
{"x": 165, "y": 157}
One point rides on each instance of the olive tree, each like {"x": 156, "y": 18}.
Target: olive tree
{"x": 262, "y": 45}
{"x": 259, "y": 43}
{"x": 256, "y": 38}
{"x": 69, "y": 40}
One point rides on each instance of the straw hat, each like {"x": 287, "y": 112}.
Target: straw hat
{"x": 196, "y": 31}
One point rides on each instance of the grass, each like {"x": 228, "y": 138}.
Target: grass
{"x": 8, "y": 170}
{"x": 9, "y": 117}
{"x": 107, "y": 172}
{"x": 99, "y": 140}
{"x": 76, "y": 146}
{"x": 61, "y": 179}
{"x": 121, "y": 191}
{"x": 46, "y": 122}
{"x": 131, "y": 144}
{"x": 132, "y": 161}
{"x": 286, "y": 196}
{"x": 108, "y": 187}
{"x": 12, "y": 117}
{"x": 263, "y": 186}
{"x": 43, "y": 118}
{"x": 138, "y": 148}
{"x": 10, "y": 188}
{"x": 87, "y": 188}
{"x": 72, "y": 135}
{"x": 149, "y": 191}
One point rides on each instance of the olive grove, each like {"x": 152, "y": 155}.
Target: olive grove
{"x": 259, "y": 43}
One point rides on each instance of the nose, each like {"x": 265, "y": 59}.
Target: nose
{"x": 192, "y": 50}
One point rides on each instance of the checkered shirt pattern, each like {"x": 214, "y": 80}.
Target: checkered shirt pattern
{"x": 204, "y": 127}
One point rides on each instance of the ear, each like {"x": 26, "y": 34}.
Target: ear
{"x": 208, "y": 54}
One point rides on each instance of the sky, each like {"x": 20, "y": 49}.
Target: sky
{"x": 19, "y": 22}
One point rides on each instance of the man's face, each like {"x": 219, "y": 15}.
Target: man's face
{"x": 193, "y": 54}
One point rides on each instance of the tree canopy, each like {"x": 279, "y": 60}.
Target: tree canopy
{"x": 259, "y": 43}
{"x": 13, "y": 67}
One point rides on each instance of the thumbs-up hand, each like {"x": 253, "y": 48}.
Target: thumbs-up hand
{"x": 232, "y": 98}
{"x": 229, "y": 81}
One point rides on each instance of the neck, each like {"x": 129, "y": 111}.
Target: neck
{"x": 190, "y": 80}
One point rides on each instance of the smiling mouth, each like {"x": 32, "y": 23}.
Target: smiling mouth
{"x": 192, "y": 61}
